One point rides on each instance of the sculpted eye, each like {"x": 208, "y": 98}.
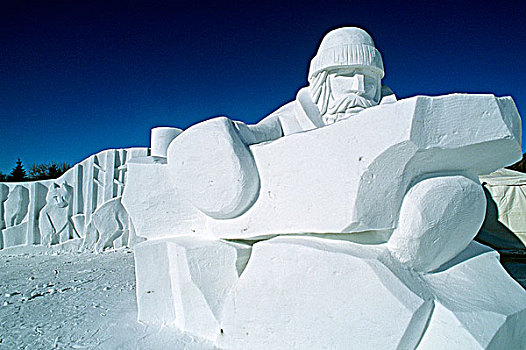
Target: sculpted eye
{"x": 345, "y": 73}
{"x": 370, "y": 81}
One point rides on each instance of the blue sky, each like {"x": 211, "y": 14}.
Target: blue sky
{"x": 77, "y": 77}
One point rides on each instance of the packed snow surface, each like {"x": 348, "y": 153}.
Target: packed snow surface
{"x": 77, "y": 301}
{"x": 86, "y": 301}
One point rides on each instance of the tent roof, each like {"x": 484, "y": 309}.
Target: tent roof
{"x": 504, "y": 177}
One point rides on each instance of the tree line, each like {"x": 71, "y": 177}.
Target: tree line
{"x": 43, "y": 171}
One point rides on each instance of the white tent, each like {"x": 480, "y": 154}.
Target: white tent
{"x": 505, "y": 224}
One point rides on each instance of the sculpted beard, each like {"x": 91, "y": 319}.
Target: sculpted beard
{"x": 346, "y": 107}
{"x": 347, "y": 102}
{"x": 333, "y": 110}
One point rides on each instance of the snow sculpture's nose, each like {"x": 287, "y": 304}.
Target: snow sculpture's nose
{"x": 357, "y": 83}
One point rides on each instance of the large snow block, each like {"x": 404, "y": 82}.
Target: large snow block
{"x": 184, "y": 281}
{"x": 478, "y": 305}
{"x": 15, "y": 235}
{"x": 438, "y": 219}
{"x": 352, "y": 176}
{"x": 312, "y": 293}
{"x": 151, "y": 200}
{"x": 221, "y": 187}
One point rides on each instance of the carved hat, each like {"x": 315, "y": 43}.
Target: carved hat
{"x": 347, "y": 47}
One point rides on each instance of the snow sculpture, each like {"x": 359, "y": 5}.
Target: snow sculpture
{"x": 16, "y": 205}
{"x": 16, "y": 209}
{"x": 108, "y": 223}
{"x": 54, "y": 224}
{"x": 345, "y": 78}
{"x": 4, "y": 192}
{"x": 193, "y": 277}
{"x": 161, "y": 138}
{"x": 357, "y": 219}
{"x": 57, "y": 211}
{"x": 227, "y": 185}
{"x": 313, "y": 293}
{"x": 21, "y": 213}
{"x": 37, "y": 194}
{"x": 425, "y": 239}
{"x": 298, "y": 191}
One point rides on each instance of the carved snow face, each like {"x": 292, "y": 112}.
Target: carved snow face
{"x": 58, "y": 195}
{"x": 354, "y": 88}
{"x": 343, "y": 92}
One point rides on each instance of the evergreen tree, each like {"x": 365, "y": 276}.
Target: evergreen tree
{"x": 53, "y": 172}
{"x": 38, "y": 171}
{"x": 46, "y": 171}
{"x": 18, "y": 173}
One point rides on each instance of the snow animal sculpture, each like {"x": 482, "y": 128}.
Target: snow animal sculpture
{"x": 399, "y": 176}
{"x": 16, "y": 205}
{"x": 109, "y": 222}
{"x": 54, "y": 222}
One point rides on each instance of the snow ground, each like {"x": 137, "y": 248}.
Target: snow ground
{"x": 86, "y": 301}
{"x": 77, "y": 301}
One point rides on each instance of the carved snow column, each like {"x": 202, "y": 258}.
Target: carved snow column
{"x": 4, "y": 191}
{"x": 121, "y": 169}
{"x": 91, "y": 188}
{"x": 109, "y": 176}
{"x": 37, "y": 200}
{"x": 70, "y": 232}
{"x": 98, "y": 179}
{"x": 76, "y": 208}
{"x": 161, "y": 138}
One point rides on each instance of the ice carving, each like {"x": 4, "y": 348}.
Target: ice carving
{"x": 226, "y": 186}
{"x": 344, "y": 219}
{"x": 345, "y": 162}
